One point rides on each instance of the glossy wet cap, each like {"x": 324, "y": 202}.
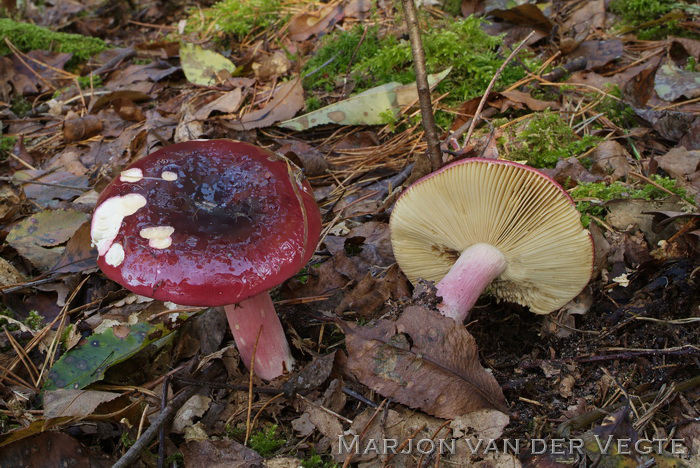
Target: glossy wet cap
{"x": 526, "y": 215}
{"x": 206, "y": 223}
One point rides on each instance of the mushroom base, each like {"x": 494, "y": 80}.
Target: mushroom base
{"x": 473, "y": 271}
{"x": 246, "y": 319}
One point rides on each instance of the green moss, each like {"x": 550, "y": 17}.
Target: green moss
{"x": 590, "y": 196}
{"x": 5, "y": 323}
{"x": 333, "y": 58}
{"x": 474, "y": 56}
{"x": 84, "y": 81}
{"x": 544, "y": 140}
{"x": 315, "y": 460}
{"x": 20, "y": 105}
{"x": 34, "y": 320}
{"x": 266, "y": 442}
{"x": 636, "y": 14}
{"x": 453, "y": 7}
{"x": 237, "y": 18}
{"x": 616, "y": 110}
{"x": 6, "y": 145}
{"x": 312, "y": 103}
{"x": 27, "y": 37}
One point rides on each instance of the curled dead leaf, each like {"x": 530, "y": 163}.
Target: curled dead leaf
{"x": 423, "y": 360}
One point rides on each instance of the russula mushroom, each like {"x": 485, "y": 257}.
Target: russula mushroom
{"x": 484, "y": 224}
{"x": 211, "y": 223}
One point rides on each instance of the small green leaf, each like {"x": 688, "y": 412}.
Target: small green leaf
{"x": 202, "y": 66}
{"x": 87, "y": 362}
{"x": 367, "y": 108}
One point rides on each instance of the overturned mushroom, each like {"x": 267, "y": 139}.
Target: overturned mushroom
{"x": 211, "y": 223}
{"x": 484, "y": 224}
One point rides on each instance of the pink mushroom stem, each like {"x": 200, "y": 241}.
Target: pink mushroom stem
{"x": 473, "y": 271}
{"x": 272, "y": 356}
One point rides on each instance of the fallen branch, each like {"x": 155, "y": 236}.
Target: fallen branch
{"x": 130, "y": 457}
{"x": 433, "y": 153}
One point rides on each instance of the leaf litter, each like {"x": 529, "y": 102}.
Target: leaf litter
{"x": 372, "y": 362}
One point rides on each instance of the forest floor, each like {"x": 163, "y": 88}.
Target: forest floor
{"x": 603, "y": 97}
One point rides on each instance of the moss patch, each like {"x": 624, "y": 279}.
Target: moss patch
{"x": 27, "y": 37}
{"x": 590, "y": 196}
{"x": 237, "y": 18}
{"x": 474, "y": 55}
{"x": 642, "y": 15}
{"x": 266, "y": 442}
{"x": 543, "y": 140}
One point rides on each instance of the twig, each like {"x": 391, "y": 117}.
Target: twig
{"x": 36, "y": 182}
{"x": 250, "y": 387}
{"x": 130, "y": 457}
{"x": 586, "y": 419}
{"x": 455, "y": 135}
{"x": 426, "y": 107}
{"x": 114, "y": 61}
{"x": 267, "y": 403}
{"x": 161, "y": 434}
{"x": 344, "y": 94}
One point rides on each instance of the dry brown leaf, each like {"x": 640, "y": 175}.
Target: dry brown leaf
{"x": 54, "y": 185}
{"x": 570, "y": 170}
{"x": 35, "y": 235}
{"x": 287, "y": 101}
{"x": 51, "y": 449}
{"x": 226, "y": 103}
{"x": 269, "y": 66}
{"x": 423, "y": 360}
{"x": 680, "y": 163}
{"x": 226, "y": 453}
{"x": 610, "y": 160}
{"x": 9, "y": 274}
{"x": 305, "y": 156}
{"x": 598, "y": 53}
{"x": 75, "y": 403}
{"x": 195, "y": 407}
{"x": 304, "y": 25}
{"x": 79, "y": 254}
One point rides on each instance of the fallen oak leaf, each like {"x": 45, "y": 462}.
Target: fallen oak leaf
{"x": 287, "y": 101}
{"x": 423, "y": 360}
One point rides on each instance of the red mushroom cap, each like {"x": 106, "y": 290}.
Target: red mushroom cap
{"x": 206, "y": 223}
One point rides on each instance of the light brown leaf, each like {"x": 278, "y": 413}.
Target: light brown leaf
{"x": 74, "y": 403}
{"x": 610, "y": 160}
{"x": 423, "y": 360}
{"x": 288, "y": 100}
{"x": 226, "y": 103}
{"x": 679, "y": 163}
{"x": 304, "y": 25}
{"x": 32, "y": 237}
{"x": 225, "y": 453}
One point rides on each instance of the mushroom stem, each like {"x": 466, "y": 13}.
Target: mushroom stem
{"x": 272, "y": 355}
{"x": 473, "y": 271}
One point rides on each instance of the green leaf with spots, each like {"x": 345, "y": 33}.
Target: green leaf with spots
{"x": 202, "y": 66}
{"x": 87, "y": 362}
{"x": 367, "y": 108}
{"x": 672, "y": 82}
